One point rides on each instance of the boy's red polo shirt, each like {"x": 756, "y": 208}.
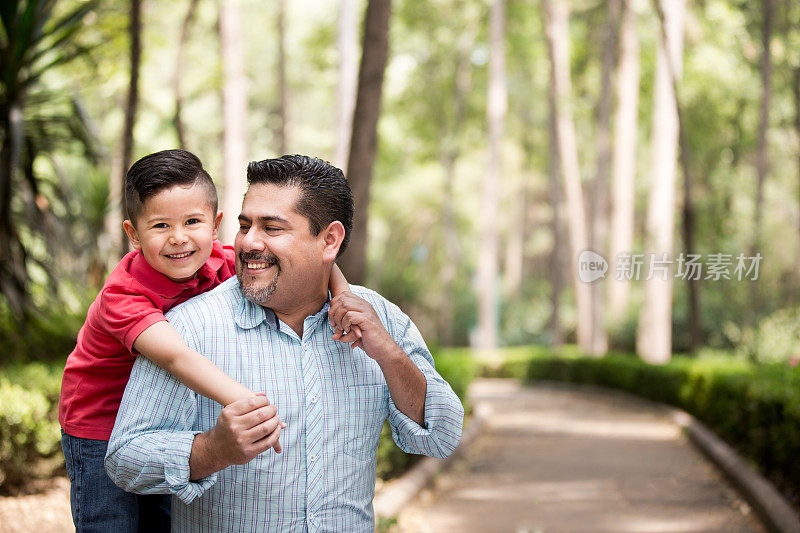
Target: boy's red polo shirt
{"x": 135, "y": 296}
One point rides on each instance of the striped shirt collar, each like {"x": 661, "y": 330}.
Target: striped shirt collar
{"x": 249, "y": 315}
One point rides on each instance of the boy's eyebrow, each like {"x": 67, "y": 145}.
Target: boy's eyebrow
{"x": 190, "y": 215}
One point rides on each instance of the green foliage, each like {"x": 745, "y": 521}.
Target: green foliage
{"x": 45, "y": 337}
{"x": 29, "y": 429}
{"x": 776, "y": 339}
{"x": 754, "y": 408}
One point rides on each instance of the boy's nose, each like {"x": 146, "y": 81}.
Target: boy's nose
{"x": 177, "y": 237}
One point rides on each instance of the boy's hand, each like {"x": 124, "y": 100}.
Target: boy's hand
{"x": 360, "y": 325}
{"x": 246, "y": 428}
{"x": 338, "y": 285}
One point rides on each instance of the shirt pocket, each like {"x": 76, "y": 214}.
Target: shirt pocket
{"x": 367, "y": 408}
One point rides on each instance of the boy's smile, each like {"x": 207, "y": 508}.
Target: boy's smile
{"x": 175, "y": 231}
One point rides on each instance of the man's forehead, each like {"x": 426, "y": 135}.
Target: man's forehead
{"x": 267, "y": 199}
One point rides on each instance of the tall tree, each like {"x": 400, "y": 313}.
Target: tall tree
{"x": 364, "y": 141}
{"x": 234, "y": 114}
{"x": 654, "y": 334}
{"x": 116, "y": 213}
{"x": 796, "y": 123}
{"x": 33, "y": 43}
{"x": 496, "y": 107}
{"x": 762, "y": 160}
{"x": 554, "y": 195}
{"x": 283, "y": 93}
{"x": 556, "y": 16}
{"x": 450, "y": 154}
{"x": 177, "y": 87}
{"x": 624, "y": 159}
{"x": 347, "y": 46}
{"x": 598, "y": 207}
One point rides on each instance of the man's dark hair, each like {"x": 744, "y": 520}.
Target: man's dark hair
{"x": 163, "y": 170}
{"x": 326, "y": 195}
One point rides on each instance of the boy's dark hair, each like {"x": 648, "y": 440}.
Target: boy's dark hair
{"x": 326, "y": 195}
{"x": 163, "y": 170}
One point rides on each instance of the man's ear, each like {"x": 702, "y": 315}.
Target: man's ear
{"x": 130, "y": 230}
{"x": 217, "y": 220}
{"x": 332, "y": 238}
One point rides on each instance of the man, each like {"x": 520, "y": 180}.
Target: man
{"x": 270, "y": 329}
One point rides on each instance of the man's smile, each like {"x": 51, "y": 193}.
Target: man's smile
{"x": 255, "y": 264}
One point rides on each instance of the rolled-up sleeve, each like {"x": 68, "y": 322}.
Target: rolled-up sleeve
{"x": 444, "y": 414}
{"x": 149, "y": 448}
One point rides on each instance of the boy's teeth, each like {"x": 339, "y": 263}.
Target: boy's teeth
{"x": 255, "y": 266}
{"x": 179, "y": 256}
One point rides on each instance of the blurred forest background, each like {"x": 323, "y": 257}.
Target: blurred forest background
{"x": 492, "y": 142}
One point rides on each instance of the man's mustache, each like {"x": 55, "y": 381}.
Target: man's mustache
{"x": 269, "y": 259}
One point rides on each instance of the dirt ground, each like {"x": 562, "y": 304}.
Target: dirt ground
{"x": 47, "y": 511}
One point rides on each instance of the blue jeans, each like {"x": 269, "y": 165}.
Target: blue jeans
{"x": 100, "y": 506}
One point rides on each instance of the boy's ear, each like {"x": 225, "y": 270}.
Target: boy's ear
{"x": 332, "y": 238}
{"x": 130, "y": 230}
{"x": 217, "y": 220}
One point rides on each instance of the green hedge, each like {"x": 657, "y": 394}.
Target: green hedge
{"x": 29, "y": 430}
{"x": 754, "y": 408}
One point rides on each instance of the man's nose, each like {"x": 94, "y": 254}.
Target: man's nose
{"x": 252, "y": 241}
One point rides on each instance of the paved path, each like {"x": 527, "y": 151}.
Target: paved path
{"x": 565, "y": 458}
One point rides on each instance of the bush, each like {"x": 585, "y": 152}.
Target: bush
{"x": 29, "y": 429}
{"x": 755, "y": 408}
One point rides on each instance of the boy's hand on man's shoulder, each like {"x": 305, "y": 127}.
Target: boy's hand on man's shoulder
{"x": 356, "y": 322}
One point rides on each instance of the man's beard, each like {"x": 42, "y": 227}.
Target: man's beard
{"x": 258, "y": 294}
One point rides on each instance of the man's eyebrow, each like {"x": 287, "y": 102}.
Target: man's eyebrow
{"x": 265, "y": 219}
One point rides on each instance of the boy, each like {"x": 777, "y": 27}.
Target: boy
{"x": 172, "y": 224}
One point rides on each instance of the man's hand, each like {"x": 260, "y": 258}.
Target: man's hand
{"x": 356, "y": 322}
{"x": 243, "y": 430}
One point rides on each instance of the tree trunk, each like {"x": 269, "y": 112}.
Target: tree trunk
{"x": 13, "y": 275}
{"x": 180, "y": 129}
{"x": 449, "y": 157}
{"x": 113, "y": 224}
{"x": 796, "y": 93}
{"x": 762, "y": 162}
{"x": 654, "y": 334}
{"x": 598, "y": 207}
{"x": 347, "y": 45}
{"x": 556, "y": 263}
{"x": 624, "y": 163}
{"x": 515, "y": 245}
{"x": 556, "y": 15}
{"x": 234, "y": 114}
{"x": 364, "y": 141}
{"x": 283, "y": 96}
{"x": 496, "y": 107}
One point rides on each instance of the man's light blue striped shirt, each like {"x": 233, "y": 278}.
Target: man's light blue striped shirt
{"x": 334, "y": 400}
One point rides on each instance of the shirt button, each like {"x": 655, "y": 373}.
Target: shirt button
{"x": 313, "y": 458}
{"x": 313, "y": 399}
{"x": 311, "y": 516}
